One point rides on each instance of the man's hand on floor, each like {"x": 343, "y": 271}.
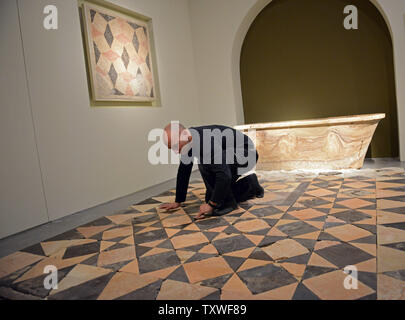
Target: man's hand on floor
{"x": 205, "y": 209}
{"x": 170, "y": 206}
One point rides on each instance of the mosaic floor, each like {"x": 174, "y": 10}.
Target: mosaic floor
{"x": 292, "y": 244}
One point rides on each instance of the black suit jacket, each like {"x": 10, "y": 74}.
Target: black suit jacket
{"x": 215, "y": 158}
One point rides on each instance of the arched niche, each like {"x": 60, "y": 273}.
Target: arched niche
{"x": 294, "y": 60}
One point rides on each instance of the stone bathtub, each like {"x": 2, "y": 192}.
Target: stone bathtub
{"x": 327, "y": 143}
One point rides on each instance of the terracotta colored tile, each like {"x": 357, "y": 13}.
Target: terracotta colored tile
{"x": 17, "y": 261}
{"x": 370, "y": 221}
{"x": 117, "y": 233}
{"x": 165, "y": 199}
{"x": 317, "y": 224}
{"x": 176, "y": 290}
{"x": 384, "y": 185}
{"x": 282, "y": 293}
{"x": 286, "y": 248}
{"x": 184, "y": 255}
{"x": 312, "y": 235}
{"x": 388, "y": 204}
{"x": 390, "y": 288}
{"x": 131, "y": 267}
{"x": 389, "y": 235}
{"x": 295, "y": 269}
{"x": 209, "y": 248}
{"x": 123, "y": 283}
{"x": 252, "y": 263}
{"x": 307, "y": 214}
{"x": 251, "y": 225}
{"x": 105, "y": 245}
{"x": 188, "y": 240}
{"x": 55, "y": 260}
{"x": 244, "y": 253}
{"x": 354, "y": 203}
{"x": 88, "y": 232}
{"x": 218, "y": 229}
{"x": 369, "y": 248}
{"x": 176, "y": 221}
{"x": 172, "y": 232}
{"x": 192, "y": 227}
{"x": 248, "y": 215}
{"x": 147, "y": 229}
{"x": 254, "y": 238}
{"x": 79, "y": 274}
{"x": 206, "y": 269}
{"x": 52, "y": 247}
{"x": 347, "y": 232}
{"x": 320, "y": 192}
{"x": 236, "y": 285}
{"x": 382, "y": 193}
{"x": 155, "y": 251}
{"x": 357, "y": 185}
{"x": 109, "y": 257}
{"x": 276, "y": 233}
{"x": 384, "y": 217}
{"x": 317, "y": 260}
{"x": 145, "y": 207}
{"x": 367, "y": 266}
{"x": 324, "y": 244}
{"x": 162, "y": 273}
{"x": 284, "y": 221}
{"x": 330, "y": 286}
{"x": 129, "y": 241}
{"x": 121, "y": 218}
{"x": 389, "y": 259}
{"x": 153, "y": 244}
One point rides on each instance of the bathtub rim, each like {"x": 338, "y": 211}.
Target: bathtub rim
{"x": 330, "y": 121}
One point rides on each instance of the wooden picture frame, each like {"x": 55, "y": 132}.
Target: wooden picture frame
{"x": 119, "y": 56}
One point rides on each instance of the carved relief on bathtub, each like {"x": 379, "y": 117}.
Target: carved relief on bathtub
{"x": 330, "y": 143}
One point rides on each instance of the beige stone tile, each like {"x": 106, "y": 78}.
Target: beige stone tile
{"x": 188, "y": 240}
{"x": 176, "y": 290}
{"x": 118, "y": 255}
{"x": 389, "y": 259}
{"x": 17, "y": 261}
{"x": 286, "y": 248}
{"x": 330, "y": 286}
{"x": 123, "y": 283}
{"x": 389, "y": 288}
{"x": 348, "y": 232}
{"x": 387, "y": 235}
{"x": 78, "y": 275}
{"x": 206, "y": 269}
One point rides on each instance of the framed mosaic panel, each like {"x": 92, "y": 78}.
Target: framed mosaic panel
{"x": 119, "y": 56}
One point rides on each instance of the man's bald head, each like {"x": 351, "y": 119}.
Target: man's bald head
{"x": 176, "y": 136}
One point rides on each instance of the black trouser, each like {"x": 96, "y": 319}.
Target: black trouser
{"x": 240, "y": 190}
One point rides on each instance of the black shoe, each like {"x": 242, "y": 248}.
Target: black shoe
{"x": 257, "y": 186}
{"x": 260, "y": 192}
{"x": 226, "y": 208}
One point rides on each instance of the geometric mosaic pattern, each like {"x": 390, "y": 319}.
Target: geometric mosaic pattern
{"x": 292, "y": 244}
{"x": 120, "y": 56}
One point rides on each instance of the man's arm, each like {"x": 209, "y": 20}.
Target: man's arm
{"x": 183, "y": 179}
{"x": 223, "y": 179}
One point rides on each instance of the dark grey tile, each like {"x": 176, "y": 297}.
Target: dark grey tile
{"x": 232, "y": 244}
{"x": 265, "y": 278}
{"x": 343, "y": 255}
{"x": 297, "y": 228}
{"x": 158, "y": 261}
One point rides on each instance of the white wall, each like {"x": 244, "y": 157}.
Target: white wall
{"x": 88, "y": 155}
{"x": 22, "y": 203}
{"x": 217, "y": 48}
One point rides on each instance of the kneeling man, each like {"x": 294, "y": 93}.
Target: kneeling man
{"x": 224, "y": 155}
